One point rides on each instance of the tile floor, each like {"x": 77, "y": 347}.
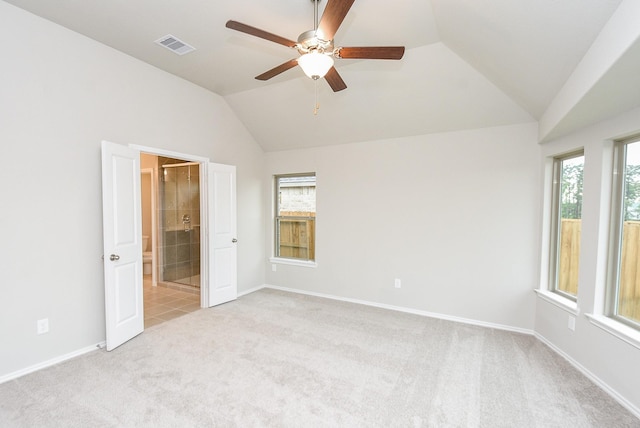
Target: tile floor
{"x": 163, "y": 304}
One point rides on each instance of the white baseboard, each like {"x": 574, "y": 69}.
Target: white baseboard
{"x": 595, "y": 379}
{"x": 51, "y": 362}
{"x": 403, "y": 309}
{"x": 251, "y": 290}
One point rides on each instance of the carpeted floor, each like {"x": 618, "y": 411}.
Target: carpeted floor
{"x": 276, "y": 359}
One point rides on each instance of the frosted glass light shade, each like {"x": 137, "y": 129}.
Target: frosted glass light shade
{"x": 315, "y": 65}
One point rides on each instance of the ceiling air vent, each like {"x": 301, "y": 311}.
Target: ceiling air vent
{"x": 175, "y": 45}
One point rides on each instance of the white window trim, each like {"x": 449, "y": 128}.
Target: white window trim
{"x": 293, "y": 262}
{"x": 546, "y": 290}
{"x": 621, "y": 331}
{"x": 558, "y": 300}
{"x": 555, "y": 219}
{"x": 283, "y": 260}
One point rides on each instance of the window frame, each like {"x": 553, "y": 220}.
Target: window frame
{"x": 277, "y": 258}
{"x": 619, "y": 171}
{"x": 556, "y": 220}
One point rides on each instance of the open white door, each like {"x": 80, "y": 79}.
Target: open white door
{"x": 122, "y": 229}
{"x": 222, "y": 234}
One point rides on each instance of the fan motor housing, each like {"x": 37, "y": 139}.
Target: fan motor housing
{"x": 309, "y": 41}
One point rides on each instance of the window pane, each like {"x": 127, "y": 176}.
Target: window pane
{"x": 296, "y": 238}
{"x": 628, "y": 295}
{"x": 570, "y": 219}
{"x": 295, "y": 216}
{"x": 296, "y": 195}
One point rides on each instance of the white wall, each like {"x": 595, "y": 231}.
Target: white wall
{"x": 60, "y": 95}
{"x": 452, "y": 215}
{"x": 609, "y": 360}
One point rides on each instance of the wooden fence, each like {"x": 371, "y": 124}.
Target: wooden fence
{"x": 569, "y": 255}
{"x": 629, "y": 298}
{"x": 297, "y": 236}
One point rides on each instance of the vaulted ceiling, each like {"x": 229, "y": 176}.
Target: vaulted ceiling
{"x": 468, "y": 64}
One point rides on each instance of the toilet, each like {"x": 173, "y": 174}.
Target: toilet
{"x": 147, "y": 256}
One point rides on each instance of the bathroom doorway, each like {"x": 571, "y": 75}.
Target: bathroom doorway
{"x": 171, "y": 222}
{"x": 129, "y": 295}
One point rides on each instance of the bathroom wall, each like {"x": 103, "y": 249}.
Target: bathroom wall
{"x": 145, "y": 186}
{"x": 148, "y": 162}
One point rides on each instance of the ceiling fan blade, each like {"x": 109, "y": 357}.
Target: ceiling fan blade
{"x": 373, "y": 52}
{"x": 277, "y": 70}
{"x": 244, "y": 28}
{"x": 334, "y": 80}
{"x": 332, "y": 17}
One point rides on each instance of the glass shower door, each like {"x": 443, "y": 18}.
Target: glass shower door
{"x": 180, "y": 224}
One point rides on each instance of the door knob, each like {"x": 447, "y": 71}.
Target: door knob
{"x": 114, "y": 257}
{"x": 234, "y": 240}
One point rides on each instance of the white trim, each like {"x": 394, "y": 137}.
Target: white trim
{"x": 595, "y": 379}
{"x": 403, "y": 309}
{"x": 293, "y": 262}
{"x": 559, "y": 301}
{"x": 251, "y": 290}
{"x": 545, "y": 243}
{"x": 169, "y": 153}
{"x": 205, "y": 292}
{"x": 51, "y": 362}
{"x": 618, "y": 329}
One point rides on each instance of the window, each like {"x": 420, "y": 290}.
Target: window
{"x": 624, "y": 288}
{"x": 295, "y": 216}
{"x": 566, "y": 224}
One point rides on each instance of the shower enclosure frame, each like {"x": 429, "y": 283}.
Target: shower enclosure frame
{"x": 187, "y": 220}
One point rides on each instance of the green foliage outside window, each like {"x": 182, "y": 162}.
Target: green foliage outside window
{"x": 571, "y": 188}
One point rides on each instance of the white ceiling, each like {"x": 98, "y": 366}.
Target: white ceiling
{"x": 468, "y": 64}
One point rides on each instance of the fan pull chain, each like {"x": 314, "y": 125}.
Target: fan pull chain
{"x": 316, "y": 104}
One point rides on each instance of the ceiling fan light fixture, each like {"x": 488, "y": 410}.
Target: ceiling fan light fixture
{"x": 315, "y": 64}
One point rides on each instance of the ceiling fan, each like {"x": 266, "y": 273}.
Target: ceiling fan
{"x": 316, "y": 46}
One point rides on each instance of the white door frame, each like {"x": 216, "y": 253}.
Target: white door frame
{"x": 204, "y": 211}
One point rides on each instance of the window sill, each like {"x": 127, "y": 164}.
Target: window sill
{"x": 619, "y": 330}
{"x": 559, "y": 301}
{"x": 293, "y": 262}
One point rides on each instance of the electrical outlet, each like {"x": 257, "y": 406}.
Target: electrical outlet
{"x": 572, "y": 323}
{"x": 43, "y": 326}
{"x": 274, "y": 267}
{"x": 397, "y": 283}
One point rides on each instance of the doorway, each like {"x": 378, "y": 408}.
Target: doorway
{"x": 171, "y": 216}
{"x": 122, "y": 236}
{"x": 170, "y": 200}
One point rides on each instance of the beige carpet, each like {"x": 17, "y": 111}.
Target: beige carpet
{"x": 275, "y": 359}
